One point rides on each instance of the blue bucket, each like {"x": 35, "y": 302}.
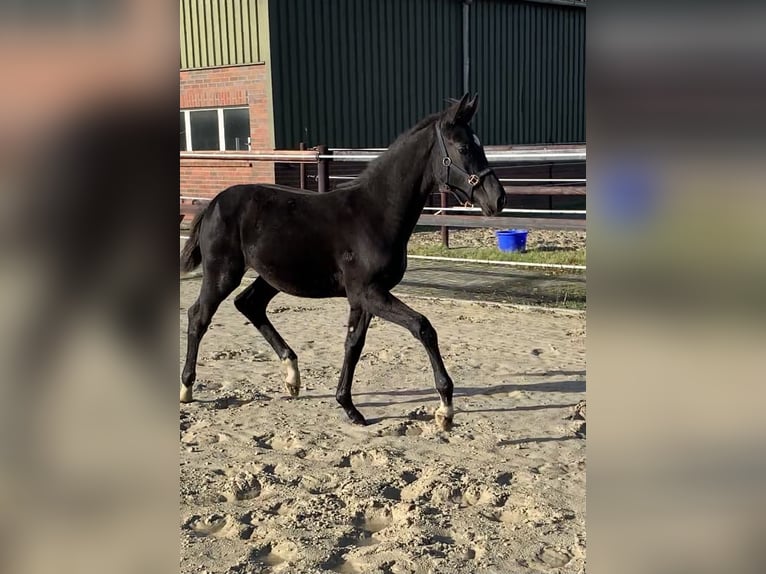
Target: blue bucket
{"x": 511, "y": 239}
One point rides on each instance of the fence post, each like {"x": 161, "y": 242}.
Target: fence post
{"x": 302, "y": 168}
{"x": 445, "y": 229}
{"x": 323, "y": 170}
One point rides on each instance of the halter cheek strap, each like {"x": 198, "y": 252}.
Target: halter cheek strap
{"x": 460, "y": 182}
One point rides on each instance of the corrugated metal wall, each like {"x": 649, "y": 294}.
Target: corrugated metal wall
{"x": 221, "y": 32}
{"x": 528, "y": 65}
{"x": 356, "y": 73}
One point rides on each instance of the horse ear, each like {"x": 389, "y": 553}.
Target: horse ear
{"x": 455, "y": 111}
{"x": 469, "y": 109}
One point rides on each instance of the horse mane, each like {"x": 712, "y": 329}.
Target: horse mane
{"x": 373, "y": 166}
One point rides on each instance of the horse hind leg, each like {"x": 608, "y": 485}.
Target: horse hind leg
{"x": 217, "y": 284}
{"x": 358, "y": 323}
{"x": 252, "y": 303}
{"x": 389, "y": 308}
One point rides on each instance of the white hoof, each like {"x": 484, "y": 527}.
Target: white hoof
{"x": 186, "y": 394}
{"x": 443, "y": 417}
{"x": 292, "y": 377}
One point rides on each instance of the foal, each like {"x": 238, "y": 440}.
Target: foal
{"x": 358, "y": 237}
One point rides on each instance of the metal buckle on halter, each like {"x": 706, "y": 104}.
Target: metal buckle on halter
{"x": 473, "y": 180}
{"x": 446, "y": 161}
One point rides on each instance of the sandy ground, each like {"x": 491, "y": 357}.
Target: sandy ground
{"x": 289, "y": 486}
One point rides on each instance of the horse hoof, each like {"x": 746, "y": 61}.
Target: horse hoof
{"x": 443, "y": 422}
{"x": 443, "y": 418}
{"x": 293, "y": 377}
{"x": 186, "y": 394}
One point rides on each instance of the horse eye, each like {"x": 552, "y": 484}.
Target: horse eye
{"x": 462, "y": 149}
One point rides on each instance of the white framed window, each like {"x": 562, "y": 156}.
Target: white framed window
{"x": 215, "y": 129}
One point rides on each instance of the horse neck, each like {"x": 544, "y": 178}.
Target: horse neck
{"x": 399, "y": 184}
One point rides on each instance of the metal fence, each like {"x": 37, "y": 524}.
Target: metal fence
{"x": 445, "y": 215}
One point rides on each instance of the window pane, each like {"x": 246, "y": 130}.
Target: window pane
{"x": 183, "y": 133}
{"x": 204, "y": 130}
{"x": 236, "y": 126}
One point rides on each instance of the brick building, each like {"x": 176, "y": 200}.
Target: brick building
{"x": 225, "y": 94}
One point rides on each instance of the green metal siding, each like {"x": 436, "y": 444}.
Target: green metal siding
{"x": 528, "y": 65}
{"x": 356, "y": 73}
{"x": 221, "y": 32}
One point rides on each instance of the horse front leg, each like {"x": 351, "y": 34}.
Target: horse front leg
{"x": 358, "y": 322}
{"x": 388, "y": 307}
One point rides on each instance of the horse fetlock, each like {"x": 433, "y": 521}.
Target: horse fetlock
{"x": 292, "y": 377}
{"x": 443, "y": 417}
{"x": 186, "y": 394}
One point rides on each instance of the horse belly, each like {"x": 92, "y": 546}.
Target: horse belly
{"x": 303, "y": 274}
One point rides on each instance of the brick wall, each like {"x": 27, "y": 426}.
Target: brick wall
{"x": 231, "y": 86}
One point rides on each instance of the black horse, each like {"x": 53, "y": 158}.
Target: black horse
{"x": 350, "y": 242}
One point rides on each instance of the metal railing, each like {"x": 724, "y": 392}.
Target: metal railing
{"x": 501, "y": 179}
{"x": 543, "y": 155}
{"x": 315, "y": 155}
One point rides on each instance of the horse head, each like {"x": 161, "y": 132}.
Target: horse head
{"x": 460, "y": 162}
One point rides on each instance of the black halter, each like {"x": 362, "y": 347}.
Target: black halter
{"x": 459, "y": 180}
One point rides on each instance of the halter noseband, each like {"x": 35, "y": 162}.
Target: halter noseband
{"x": 459, "y": 180}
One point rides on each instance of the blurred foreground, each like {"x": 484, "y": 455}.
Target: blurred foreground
{"x": 677, "y": 276}
{"x": 88, "y": 170}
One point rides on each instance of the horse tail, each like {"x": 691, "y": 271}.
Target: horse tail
{"x": 191, "y": 255}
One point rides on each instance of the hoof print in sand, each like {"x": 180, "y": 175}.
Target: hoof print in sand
{"x": 553, "y": 558}
{"x": 361, "y": 458}
{"x": 274, "y": 554}
{"x": 245, "y": 486}
{"x": 215, "y": 525}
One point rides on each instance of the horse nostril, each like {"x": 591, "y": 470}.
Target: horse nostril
{"x": 501, "y": 203}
